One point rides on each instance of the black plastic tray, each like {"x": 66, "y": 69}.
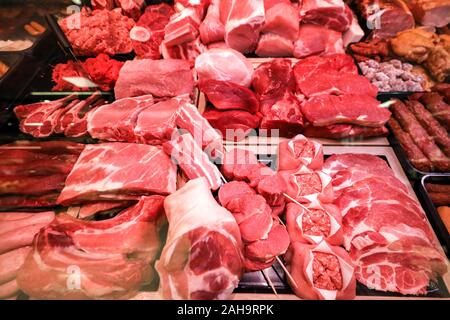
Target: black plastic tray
{"x": 430, "y": 208}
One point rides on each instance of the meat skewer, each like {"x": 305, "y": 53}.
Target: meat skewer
{"x": 267, "y": 278}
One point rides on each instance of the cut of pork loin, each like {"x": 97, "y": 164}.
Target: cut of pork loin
{"x": 160, "y": 78}
{"x": 317, "y": 40}
{"x": 344, "y": 131}
{"x": 202, "y": 258}
{"x": 188, "y": 154}
{"x": 274, "y": 45}
{"x": 357, "y": 109}
{"x": 243, "y": 20}
{"x": 224, "y": 64}
{"x": 212, "y": 29}
{"x": 282, "y": 19}
{"x": 113, "y": 257}
{"x": 124, "y": 172}
{"x": 333, "y": 14}
{"x": 321, "y": 271}
{"x": 225, "y": 95}
{"x": 298, "y": 152}
{"x": 116, "y": 121}
{"x": 385, "y": 17}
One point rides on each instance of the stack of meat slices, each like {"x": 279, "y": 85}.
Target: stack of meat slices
{"x": 387, "y": 234}
{"x": 32, "y": 174}
{"x": 320, "y": 269}
{"x": 421, "y": 125}
{"x": 66, "y": 116}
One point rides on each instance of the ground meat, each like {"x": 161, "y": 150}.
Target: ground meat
{"x": 103, "y": 70}
{"x": 304, "y": 149}
{"x": 309, "y": 184}
{"x": 316, "y": 223}
{"x": 326, "y": 271}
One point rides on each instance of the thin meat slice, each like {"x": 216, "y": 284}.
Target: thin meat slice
{"x": 225, "y": 95}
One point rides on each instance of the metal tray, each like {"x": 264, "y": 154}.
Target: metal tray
{"x": 430, "y": 208}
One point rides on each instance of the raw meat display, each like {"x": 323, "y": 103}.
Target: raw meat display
{"x": 224, "y": 65}
{"x": 212, "y": 29}
{"x": 119, "y": 171}
{"x": 317, "y": 40}
{"x": 148, "y": 33}
{"x": 103, "y": 71}
{"x": 422, "y": 139}
{"x": 183, "y": 27}
{"x": 430, "y": 12}
{"x": 225, "y": 95}
{"x": 185, "y": 152}
{"x": 202, "y": 257}
{"x": 387, "y": 234}
{"x": 243, "y": 21}
{"x": 64, "y": 116}
{"x": 75, "y": 259}
{"x": 98, "y": 31}
{"x": 131, "y": 8}
{"x": 33, "y": 173}
{"x": 357, "y": 109}
{"x": 333, "y": 14}
{"x": 386, "y": 18}
{"x": 234, "y": 125}
{"x": 271, "y": 79}
{"x": 298, "y": 152}
{"x": 345, "y": 131}
{"x": 160, "y": 78}
{"x": 321, "y": 271}
{"x": 354, "y": 34}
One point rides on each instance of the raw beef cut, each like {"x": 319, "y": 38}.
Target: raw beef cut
{"x": 310, "y": 66}
{"x": 321, "y": 271}
{"x": 226, "y": 95}
{"x": 243, "y": 165}
{"x": 232, "y": 191}
{"x": 317, "y": 40}
{"x": 386, "y": 17}
{"x": 234, "y": 125}
{"x": 160, "y": 78}
{"x": 212, "y": 29}
{"x": 357, "y": 109}
{"x": 344, "y": 131}
{"x": 283, "y": 118}
{"x": 282, "y": 19}
{"x": 271, "y": 79}
{"x": 108, "y": 259}
{"x": 316, "y": 223}
{"x": 151, "y": 24}
{"x": 156, "y": 122}
{"x": 116, "y": 121}
{"x": 202, "y": 257}
{"x": 243, "y": 20}
{"x": 389, "y": 238}
{"x": 333, "y": 14}
{"x": 119, "y": 171}
{"x": 98, "y": 31}
{"x": 274, "y": 45}
{"x": 273, "y": 189}
{"x": 224, "y": 65}
{"x": 186, "y": 153}
{"x": 298, "y": 152}
{"x": 188, "y": 51}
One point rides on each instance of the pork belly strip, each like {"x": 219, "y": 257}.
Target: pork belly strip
{"x": 414, "y": 154}
{"x": 431, "y": 125}
{"x": 435, "y": 103}
{"x": 420, "y": 136}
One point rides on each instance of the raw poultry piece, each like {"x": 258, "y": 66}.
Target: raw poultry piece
{"x": 119, "y": 171}
{"x": 108, "y": 259}
{"x": 202, "y": 257}
{"x": 387, "y": 234}
{"x": 224, "y": 65}
{"x": 160, "y": 78}
{"x": 321, "y": 271}
{"x": 98, "y": 31}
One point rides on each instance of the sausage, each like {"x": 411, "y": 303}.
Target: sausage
{"x": 431, "y": 125}
{"x": 9, "y": 289}
{"x": 37, "y": 26}
{"x": 32, "y": 31}
{"x": 440, "y": 198}
{"x": 414, "y": 154}
{"x": 439, "y": 109}
{"x": 11, "y": 262}
{"x": 436, "y": 187}
{"x": 19, "y": 238}
{"x": 37, "y": 218}
{"x": 420, "y": 136}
